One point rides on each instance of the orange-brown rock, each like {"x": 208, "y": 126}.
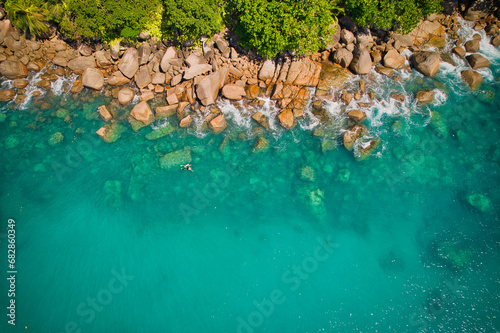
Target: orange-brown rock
{"x": 142, "y": 112}
{"x": 186, "y": 121}
{"x": 286, "y": 118}
{"x": 357, "y": 115}
{"x": 352, "y": 134}
{"x": 218, "y": 124}
{"x": 104, "y": 113}
{"x": 261, "y": 119}
{"x": 165, "y": 111}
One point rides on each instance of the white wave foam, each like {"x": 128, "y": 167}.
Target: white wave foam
{"x": 236, "y": 112}
{"x": 30, "y": 89}
{"x": 440, "y": 97}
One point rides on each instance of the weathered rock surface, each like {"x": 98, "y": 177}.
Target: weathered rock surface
{"x": 208, "y": 88}
{"x": 425, "y": 97}
{"x": 343, "y": 57}
{"x": 196, "y": 70}
{"x": 426, "y": 62}
{"x": 472, "y": 46}
{"x": 7, "y": 95}
{"x": 143, "y": 78}
{"x": 110, "y": 133}
{"x": 93, "y": 78}
{"x": 104, "y": 113}
{"x": 233, "y": 91}
{"x": 129, "y": 63}
{"x": 125, "y": 96}
{"x": 82, "y": 63}
{"x": 286, "y": 118}
{"x": 393, "y": 59}
{"x": 477, "y": 61}
{"x": 472, "y": 78}
{"x": 351, "y": 135}
{"x": 267, "y": 70}
{"x": 118, "y": 79}
{"x": 13, "y": 69}
{"x": 361, "y": 62}
{"x": 218, "y": 124}
{"x": 357, "y": 115}
{"x": 170, "y": 54}
{"x": 142, "y": 113}
{"x": 261, "y": 119}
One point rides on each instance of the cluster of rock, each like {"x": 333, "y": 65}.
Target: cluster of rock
{"x": 172, "y": 82}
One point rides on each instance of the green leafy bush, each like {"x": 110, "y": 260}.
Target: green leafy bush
{"x": 391, "y": 14}
{"x": 272, "y": 26}
{"x": 190, "y": 19}
{"x": 108, "y": 19}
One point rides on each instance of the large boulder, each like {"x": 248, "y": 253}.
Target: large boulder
{"x": 142, "y": 113}
{"x": 196, "y": 70}
{"x": 82, "y": 63}
{"x": 13, "y": 69}
{"x": 477, "y": 61}
{"x": 208, "y": 88}
{"x": 125, "y": 95}
{"x": 362, "y": 61}
{"x": 5, "y": 27}
{"x": 93, "y": 78}
{"x": 393, "y": 59}
{"x": 218, "y": 124}
{"x": 304, "y": 72}
{"x": 472, "y": 78}
{"x": 118, "y": 79}
{"x": 472, "y": 45}
{"x": 357, "y": 115}
{"x": 129, "y": 63}
{"x": 347, "y": 37}
{"x": 144, "y": 52}
{"x": 111, "y": 132}
{"x": 143, "y": 78}
{"x": 426, "y": 62}
{"x": 261, "y": 119}
{"x": 175, "y": 159}
{"x": 343, "y": 57}
{"x": 170, "y": 53}
{"x": 103, "y": 58}
{"x": 426, "y": 29}
{"x": 286, "y": 118}
{"x": 267, "y": 70}
{"x": 7, "y": 95}
{"x": 425, "y": 97}
{"x": 351, "y": 135}
{"x": 233, "y": 91}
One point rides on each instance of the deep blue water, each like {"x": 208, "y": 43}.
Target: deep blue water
{"x": 107, "y": 241}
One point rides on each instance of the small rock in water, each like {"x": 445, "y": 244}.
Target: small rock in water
{"x": 3, "y": 116}
{"x": 480, "y": 202}
{"x": 11, "y": 142}
{"x": 56, "y": 138}
{"x": 113, "y": 189}
{"x": 425, "y": 97}
{"x": 453, "y": 255}
{"x": 262, "y": 144}
{"x": 307, "y": 174}
{"x": 343, "y": 175}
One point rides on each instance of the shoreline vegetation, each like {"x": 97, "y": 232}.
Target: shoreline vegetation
{"x": 165, "y": 79}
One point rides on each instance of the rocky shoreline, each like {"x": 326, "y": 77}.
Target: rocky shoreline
{"x": 182, "y": 83}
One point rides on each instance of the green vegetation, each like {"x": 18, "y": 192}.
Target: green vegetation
{"x": 390, "y": 14}
{"x": 25, "y": 15}
{"x": 266, "y": 26}
{"x": 189, "y": 20}
{"x": 270, "y": 27}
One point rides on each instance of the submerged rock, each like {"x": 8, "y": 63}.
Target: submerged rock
{"x": 453, "y": 255}
{"x": 261, "y": 119}
{"x": 351, "y": 135}
{"x": 307, "y": 174}
{"x": 479, "y": 201}
{"x": 159, "y": 133}
{"x": 11, "y": 142}
{"x": 175, "y": 159}
{"x": 261, "y": 144}
{"x": 55, "y": 138}
{"x": 110, "y": 133}
{"x": 113, "y": 190}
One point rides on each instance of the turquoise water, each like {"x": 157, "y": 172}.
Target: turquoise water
{"x": 107, "y": 241}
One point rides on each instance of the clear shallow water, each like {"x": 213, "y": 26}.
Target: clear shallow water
{"x": 355, "y": 250}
